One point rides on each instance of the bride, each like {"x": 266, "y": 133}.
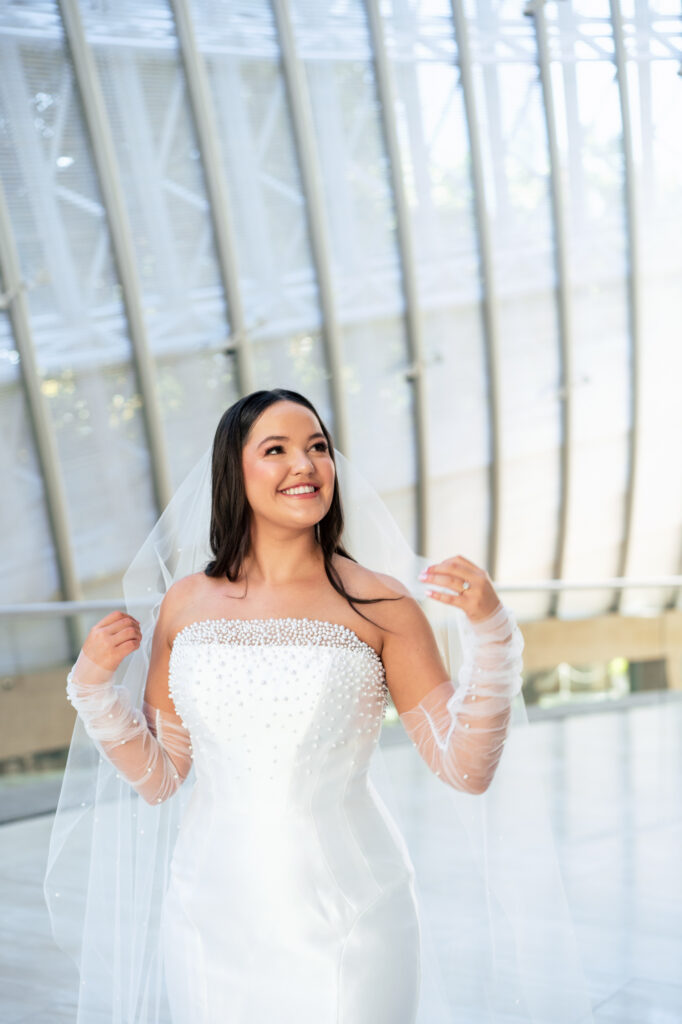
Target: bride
{"x": 290, "y": 892}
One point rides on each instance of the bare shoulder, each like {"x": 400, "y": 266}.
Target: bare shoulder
{"x": 186, "y": 586}
{"x": 178, "y": 596}
{"x": 399, "y": 613}
{"x": 377, "y": 584}
{"x": 409, "y": 649}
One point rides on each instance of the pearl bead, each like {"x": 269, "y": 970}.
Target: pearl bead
{"x": 229, "y": 678}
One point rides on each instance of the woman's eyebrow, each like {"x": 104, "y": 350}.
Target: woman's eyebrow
{"x": 283, "y": 437}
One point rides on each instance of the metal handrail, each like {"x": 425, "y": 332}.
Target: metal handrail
{"x": 49, "y": 608}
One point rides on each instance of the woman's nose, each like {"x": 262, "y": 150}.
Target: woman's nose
{"x": 302, "y": 462}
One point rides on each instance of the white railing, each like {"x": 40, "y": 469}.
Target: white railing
{"x": 60, "y": 608}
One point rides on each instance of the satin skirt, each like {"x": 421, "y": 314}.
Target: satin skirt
{"x": 291, "y": 918}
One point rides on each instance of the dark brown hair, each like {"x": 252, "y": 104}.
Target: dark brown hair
{"x": 230, "y": 532}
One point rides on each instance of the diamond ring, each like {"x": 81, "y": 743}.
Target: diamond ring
{"x": 466, "y": 585}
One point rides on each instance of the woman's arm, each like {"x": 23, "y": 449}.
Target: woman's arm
{"x": 458, "y": 730}
{"x": 150, "y": 747}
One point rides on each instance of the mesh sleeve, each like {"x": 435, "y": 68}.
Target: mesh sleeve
{"x": 149, "y": 747}
{"x": 460, "y": 732}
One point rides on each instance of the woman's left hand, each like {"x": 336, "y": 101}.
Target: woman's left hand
{"x": 479, "y": 599}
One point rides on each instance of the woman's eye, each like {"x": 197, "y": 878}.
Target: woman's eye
{"x": 319, "y": 444}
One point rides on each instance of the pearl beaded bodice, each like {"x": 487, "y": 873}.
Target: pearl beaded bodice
{"x": 277, "y": 707}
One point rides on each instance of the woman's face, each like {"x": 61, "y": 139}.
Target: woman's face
{"x": 288, "y": 470}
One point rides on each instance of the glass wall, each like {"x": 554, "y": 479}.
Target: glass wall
{"x": 367, "y": 201}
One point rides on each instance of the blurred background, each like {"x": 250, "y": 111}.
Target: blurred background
{"x": 457, "y": 228}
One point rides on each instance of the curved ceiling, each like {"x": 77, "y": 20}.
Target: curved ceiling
{"x": 456, "y": 227}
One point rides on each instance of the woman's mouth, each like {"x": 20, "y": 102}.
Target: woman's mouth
{"x": 301, "y": 491}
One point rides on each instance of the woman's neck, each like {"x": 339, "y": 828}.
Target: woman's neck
{"x": 277, "y": 562}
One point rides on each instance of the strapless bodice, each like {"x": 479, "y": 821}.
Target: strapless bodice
{"x": 276, "y": 707}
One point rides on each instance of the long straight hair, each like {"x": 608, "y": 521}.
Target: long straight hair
{"x": 231, "y": 514}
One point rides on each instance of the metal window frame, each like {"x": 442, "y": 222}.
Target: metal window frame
{"x": 196, "y": 77}
{"x": 633, "y": 290}
{"x": 413, "y": 319}
{"x": 301, "y": 115}
{"x": 104, "y": 154}
{"x": 565, "y": 334}
{"x": 487, "y": 275}
{"x": 39, "y": 417}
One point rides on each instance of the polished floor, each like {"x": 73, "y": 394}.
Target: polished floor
{"x": 614, "y": 779}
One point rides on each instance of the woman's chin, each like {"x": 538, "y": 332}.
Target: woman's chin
{"x": 307, "y": 523}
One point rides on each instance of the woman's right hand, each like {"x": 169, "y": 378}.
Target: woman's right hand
{"x": 111, "y": 639}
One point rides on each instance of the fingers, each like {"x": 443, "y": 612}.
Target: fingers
{"x": 469, "y": 565}
{"x": 127, "y": 647}
{"x": 113, "y": 617}
{"x": 477, "y": 600}
{"x": 111, "y": 639}
{"x": 121, "y": 630}
{"x": 444, "y": 579}
{"x": 458, "y": 565}
{"x": 453, "y": 576}
{"x": 131, "y": 634}
{"x": 122, "y": 621}
{"x": 448, "y": 598}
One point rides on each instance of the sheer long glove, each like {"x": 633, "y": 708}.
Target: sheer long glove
{"x": 460, "y": 733}
{"x": 150, "y": 748}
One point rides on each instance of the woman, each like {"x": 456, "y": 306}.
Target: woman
{"x": 290, "y": 895}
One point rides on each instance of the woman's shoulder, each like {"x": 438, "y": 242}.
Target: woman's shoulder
{"x": 185, "y": 590}
{"x": 362, "y": 578}
{"x": 185, "y": 585}
{"x": 187, "y": 599}
{"x": 390, "y": 615}
{"x": 402, "y": 622}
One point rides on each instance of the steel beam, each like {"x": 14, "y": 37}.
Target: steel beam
{"x": 216, "y": 186}
{"x": 413, "y": 319}
{"x": 488, "y": 298}
{"x": 634, "y": 289}
{"x": 41, "y": 425}
{"x": 558, "y": 206}
{"x": 104, "y": 153}
{"x": 311, "y": 177}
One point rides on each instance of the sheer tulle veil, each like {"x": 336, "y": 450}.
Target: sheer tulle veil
{"x": 498, "y": 942}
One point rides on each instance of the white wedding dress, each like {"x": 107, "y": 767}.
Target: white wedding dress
{"x": 233, "y": 862}
{"x": 291, "y": 896}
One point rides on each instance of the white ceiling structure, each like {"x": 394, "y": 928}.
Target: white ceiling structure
{"x": 455, "y": 226}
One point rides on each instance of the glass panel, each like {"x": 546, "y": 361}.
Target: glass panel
{"x": 431, "y": 126}
{"x": 76, "y": 309}
{"x": 509, "y": 102}
{"x": 654, "y": 46}
{"x": 333, "y": 41}
{"x": 29, "y": 566}
{"x": 591, "y": 150}
{"x": 267, "y": 205}
{"x": 161, "y": 173}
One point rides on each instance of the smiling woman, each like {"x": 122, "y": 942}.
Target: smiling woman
{"x": 297, "y": 469}
{"x": 262, "y": 876}
{"x": 276, "y": 515}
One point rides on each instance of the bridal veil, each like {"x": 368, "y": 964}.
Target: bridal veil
{"x": 498, "y": 942}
